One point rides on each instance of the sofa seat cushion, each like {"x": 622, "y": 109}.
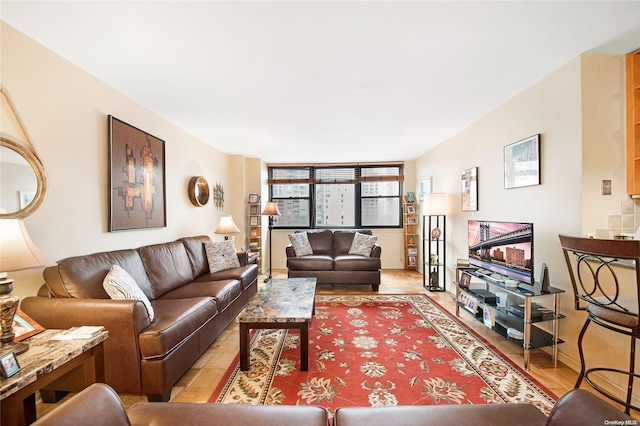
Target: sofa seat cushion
{"x": 223, "y": 292}
{"x": 350, "y": 262}
{"x": 246, "y": 274}
{"x": 310, "y": 263}
{"x": 174, "y": 322}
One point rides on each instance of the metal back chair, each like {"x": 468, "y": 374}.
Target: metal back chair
{"x": 594, "y": 271}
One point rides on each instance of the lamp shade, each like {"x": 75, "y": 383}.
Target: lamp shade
{"x": 17, "y": 251}
{"x": 226, "y": 226}
{"x": 437, "y": 204}
{"x": 271, "y": 209}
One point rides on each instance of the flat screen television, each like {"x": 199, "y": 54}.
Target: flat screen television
{"x": 504, "y": 248}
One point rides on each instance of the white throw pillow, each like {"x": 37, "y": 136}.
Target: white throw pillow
{"x": 221, "y": 255}
{"x": 301, "y": 245}
{"x": 362, "y": 244}
{"x": 119, "y": 285}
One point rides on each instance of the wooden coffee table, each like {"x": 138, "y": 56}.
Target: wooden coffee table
{"x": 286, "y": 303}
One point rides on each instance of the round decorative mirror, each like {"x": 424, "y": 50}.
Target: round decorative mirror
{"x": 23, "y": 181}
{"x": 198, "y": 191}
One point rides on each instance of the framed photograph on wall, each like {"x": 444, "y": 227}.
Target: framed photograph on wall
{"x": 470, "y": 190}
{"x": 137, "y": 197}
{"x": 254, "y": 198}
{"x": 425, "y": 188}
{"x": 254, "y": 210}
{"x": 522, "y": 163}
{"x": 253, "y": 221}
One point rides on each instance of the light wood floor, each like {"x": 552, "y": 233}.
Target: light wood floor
{"x": 201, "y": 380}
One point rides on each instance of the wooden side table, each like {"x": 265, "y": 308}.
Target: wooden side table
{"x": 48, "y": 360}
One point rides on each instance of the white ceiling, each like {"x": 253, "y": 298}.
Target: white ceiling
{"x": 324, "y": 81}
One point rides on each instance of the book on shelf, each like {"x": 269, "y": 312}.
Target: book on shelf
{"x": 83, "y": 332}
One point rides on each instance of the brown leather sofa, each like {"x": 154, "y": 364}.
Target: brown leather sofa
{"x": 192, "y": 307}
{"x": 99, "y": 405}
{"x": 331, "y": 262}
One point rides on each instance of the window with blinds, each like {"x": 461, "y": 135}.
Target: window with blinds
{"x": 337, "y": 196}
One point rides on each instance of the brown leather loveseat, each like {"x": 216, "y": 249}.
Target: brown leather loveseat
{"x": 192, "y": 307}
{"x": 331, "y": 262}
{"x": 98, "y": 405}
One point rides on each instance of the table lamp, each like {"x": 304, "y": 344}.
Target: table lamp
{"x": 227, "y": 226}
{"x": 17, "y": 252}
{"x": 271, "y": 210}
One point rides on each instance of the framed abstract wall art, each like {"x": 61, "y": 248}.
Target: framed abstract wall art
{"x": 136, "y": 178}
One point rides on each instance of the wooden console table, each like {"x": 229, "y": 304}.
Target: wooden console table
{"x": 46, "y": 361}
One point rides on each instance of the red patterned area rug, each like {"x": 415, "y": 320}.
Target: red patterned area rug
{"x": 377, "y": 350}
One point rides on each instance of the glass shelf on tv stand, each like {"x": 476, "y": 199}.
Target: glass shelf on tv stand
{"x": 534, "y": 337}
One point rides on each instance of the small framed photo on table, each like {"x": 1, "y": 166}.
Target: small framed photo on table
{"x": 24, "y": 326}
{"x": 254, "y": 198}
{"x": 9, "y": 365}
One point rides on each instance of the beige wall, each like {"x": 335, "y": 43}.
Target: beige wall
{"x": 578, "y": 110}
{"x": 65, "y": 112}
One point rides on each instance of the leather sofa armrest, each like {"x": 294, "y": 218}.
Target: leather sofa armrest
{"x": 290, "y": 251}
{"x": 580, "y": 407}
{"x": 124, "y": 319}
{"x": 62, "y": 313}
{"x": 376, "y": 251}
{"x": 98, "y": 401}
{"x": 242, "y": 258}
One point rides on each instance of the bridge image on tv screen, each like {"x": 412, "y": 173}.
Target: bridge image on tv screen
{"x": 504, "y": 248}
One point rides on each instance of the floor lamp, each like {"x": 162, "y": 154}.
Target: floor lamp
{"x": 271, "y": 210}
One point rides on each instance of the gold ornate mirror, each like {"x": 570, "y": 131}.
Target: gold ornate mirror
{"x": 23, "y": 183}
{"x": 198, "y": 191}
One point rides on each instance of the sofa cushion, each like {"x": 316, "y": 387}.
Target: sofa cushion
{"x": 310, "y": 263}
{"x": 120, "y": 286}
{"x": 221, "y": 255}
{"x": 349, "y": 262}
{"x": 82, "y": 276}
{"x": 362, "y": 244}
{"x": 301, "y": 245}
{"x": 176, "y": 320}
{"x": 343, "y": 239}
{"x": 223, "y": 292}
{"x": 246, "y": 274}
{"x": 321, "y": 242}
{"x": 197, "y": 254}
{"x": 167, "y": 266}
